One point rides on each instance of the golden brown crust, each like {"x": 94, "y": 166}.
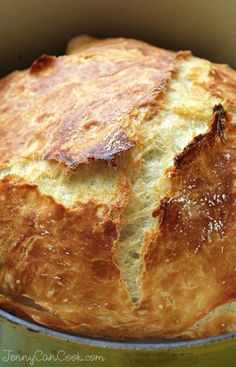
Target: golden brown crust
{"x": 190, "y": 258}
{"x": 58, "y": 256}
{"x": 56, "y": 259}
{"x": 74, "y": 106}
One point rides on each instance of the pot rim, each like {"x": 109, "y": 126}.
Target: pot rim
{"x": 114, "y": 344}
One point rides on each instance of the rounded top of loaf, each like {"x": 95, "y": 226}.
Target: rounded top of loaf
{"x": 117, "y": 191}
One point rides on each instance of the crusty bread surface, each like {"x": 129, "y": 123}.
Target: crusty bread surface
{"x": 117, "y": 192}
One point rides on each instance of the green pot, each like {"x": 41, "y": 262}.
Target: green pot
{"x": 26, "y": 344}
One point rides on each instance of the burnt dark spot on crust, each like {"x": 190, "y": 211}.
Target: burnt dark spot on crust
{"x": 160, "y": 211}
{"x": 219, "y": 121}
{"x": 218, "y": 125}
{"x": 42, "y": 63}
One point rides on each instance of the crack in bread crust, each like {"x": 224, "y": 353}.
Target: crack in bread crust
{"x": 179, "y": 111}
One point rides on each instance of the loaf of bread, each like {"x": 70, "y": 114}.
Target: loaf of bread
{"x": 117, "y": 192}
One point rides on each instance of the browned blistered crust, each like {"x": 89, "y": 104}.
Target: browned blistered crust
{"x": 62, "y": 259}
{"x": 76, "y": 105}
{"x": 190, "y": 259}
{"x": 58, "y": 264}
